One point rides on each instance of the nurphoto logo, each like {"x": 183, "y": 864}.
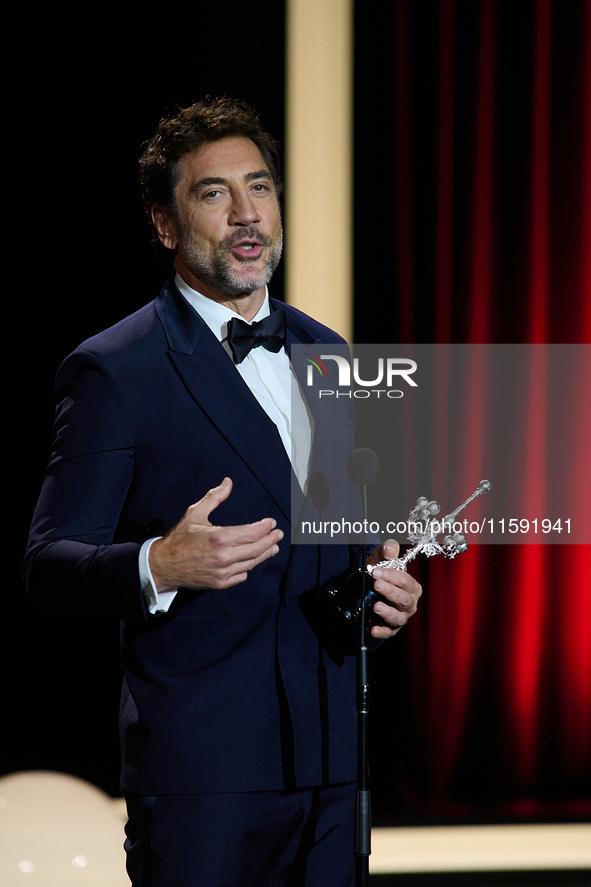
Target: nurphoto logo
{"x": 387, "y": 371}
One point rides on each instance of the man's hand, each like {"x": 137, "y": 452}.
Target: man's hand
{"x": 400, "y": 589}
{"x": 196, "y": 554}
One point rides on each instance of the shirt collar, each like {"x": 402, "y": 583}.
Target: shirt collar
{"x": 216, "y": 315}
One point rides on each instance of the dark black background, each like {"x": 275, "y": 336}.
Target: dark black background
{"x": 88, "y": 86}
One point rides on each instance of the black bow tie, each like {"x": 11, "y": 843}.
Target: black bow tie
{"x": 269, "y": 332}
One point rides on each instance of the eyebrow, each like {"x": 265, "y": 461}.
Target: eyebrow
{"x": 219, "y": 180}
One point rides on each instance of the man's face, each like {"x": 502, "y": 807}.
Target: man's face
{"x": 227, "y": 227}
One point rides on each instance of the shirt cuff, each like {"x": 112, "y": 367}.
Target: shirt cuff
{"x": 157, "y": 601}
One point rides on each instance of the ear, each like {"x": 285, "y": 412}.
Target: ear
{"x": 164, "y": 227}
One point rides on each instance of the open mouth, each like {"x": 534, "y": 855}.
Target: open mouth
{"x": 247, "y": 249}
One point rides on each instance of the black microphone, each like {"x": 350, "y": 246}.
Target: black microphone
{"x": 363, "y": 466}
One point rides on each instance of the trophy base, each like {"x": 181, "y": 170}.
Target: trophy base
{"x": 333, "y": 610}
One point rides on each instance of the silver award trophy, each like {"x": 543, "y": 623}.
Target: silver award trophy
{"x": 424, "y": 530}
{"x": 334, "y": 609}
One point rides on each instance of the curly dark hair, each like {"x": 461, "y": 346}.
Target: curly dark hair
{"x": 187, "y": 131}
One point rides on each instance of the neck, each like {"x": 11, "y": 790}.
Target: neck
{"x": 247, "y": 305}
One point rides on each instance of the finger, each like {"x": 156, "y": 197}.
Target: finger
{"x": 263, "y": 531}
{"x": 393, "y": 617}
{"x": 398, "y": 579}
{"x": 226, "y": 574}
{"x": 383, "y": 632}
{"x": 247, "y": 565}
{"x": 395, "y": 585}
{"x": 234, "y": 556}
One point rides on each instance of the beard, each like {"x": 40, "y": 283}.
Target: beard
{"x": 214, "y": 266}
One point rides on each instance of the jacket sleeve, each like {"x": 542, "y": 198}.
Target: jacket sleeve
{"x": 78, "y": 561}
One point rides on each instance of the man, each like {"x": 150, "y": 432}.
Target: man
{"x": 167, "y": 499}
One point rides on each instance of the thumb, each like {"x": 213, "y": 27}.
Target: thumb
{"x": 214, "y": 497}
{"x": 388, "y": 550}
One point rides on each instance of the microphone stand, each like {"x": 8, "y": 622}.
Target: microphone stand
{"x": 363, "y": 806}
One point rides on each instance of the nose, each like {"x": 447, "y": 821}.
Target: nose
{"x": 243, "y": 210}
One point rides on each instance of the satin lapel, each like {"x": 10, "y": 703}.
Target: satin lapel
{"x": 211, "y": 378}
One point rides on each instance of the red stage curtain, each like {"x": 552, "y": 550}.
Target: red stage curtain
{"x": 492, "y": 242}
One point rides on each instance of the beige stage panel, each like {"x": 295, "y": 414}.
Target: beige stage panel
{"x": 481, "y": 848}
{"x": 318, "y": 160}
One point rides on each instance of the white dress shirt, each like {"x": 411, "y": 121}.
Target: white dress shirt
{"x": 270, "y": 378}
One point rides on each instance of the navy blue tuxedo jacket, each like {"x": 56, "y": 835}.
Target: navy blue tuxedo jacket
{"x": 230, "y": 690}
